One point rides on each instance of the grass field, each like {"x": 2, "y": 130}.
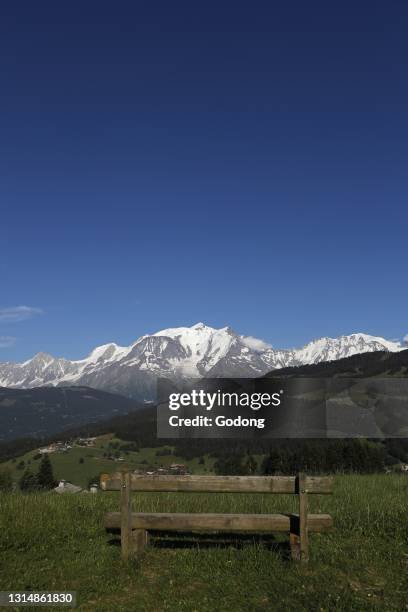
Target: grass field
{"x": 51, "y": 542}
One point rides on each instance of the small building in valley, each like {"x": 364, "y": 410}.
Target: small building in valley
{"x": 67, "y": 487}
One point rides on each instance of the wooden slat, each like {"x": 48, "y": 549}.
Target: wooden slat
{"x": 169, "y": 521}
{"x": 219, "y": 484}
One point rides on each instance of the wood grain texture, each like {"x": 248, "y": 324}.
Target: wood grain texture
{"x": 169, "y": 521}
{"x": 140, "y": 538}
{"x": 125, "y": 516}
{"x": 220, "y": 484}
{"x": 303, "y": 518}
{"x": 294, "y": 542}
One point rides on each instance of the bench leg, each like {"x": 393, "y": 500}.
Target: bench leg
{"x": 299, "y": 536}
{"x": 294, "y": 540}
{"x": 140, "y": 539}
{"x": 125, "y": 517}
{"x": 303, "y": 527}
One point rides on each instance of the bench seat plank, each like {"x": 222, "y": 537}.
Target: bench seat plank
{"x": 169, "y": 521}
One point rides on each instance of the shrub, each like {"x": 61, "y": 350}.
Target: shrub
{"x": 6, "y": 481}
{"x": 28, "y": 481}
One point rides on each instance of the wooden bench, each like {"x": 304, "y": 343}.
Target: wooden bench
{"x": 135, "y": 526}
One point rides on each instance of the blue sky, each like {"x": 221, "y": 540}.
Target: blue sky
{"x": 241, "y": 164}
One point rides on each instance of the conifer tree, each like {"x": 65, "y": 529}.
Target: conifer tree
{"x": 28, "y": 481}
{"x": 45, "y": 475}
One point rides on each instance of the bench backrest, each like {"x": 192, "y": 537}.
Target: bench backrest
{"x": 219, "y": 484}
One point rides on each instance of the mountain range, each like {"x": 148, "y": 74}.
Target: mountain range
{"x": 195, "y": 351}
{"x": 43, "y": 411}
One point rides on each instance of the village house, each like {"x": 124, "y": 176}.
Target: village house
{"x": 178, "y": 468}
{"x": 85, "y": 441}
{"x": 55, "y": 447}
{"x": 67, "y": 487}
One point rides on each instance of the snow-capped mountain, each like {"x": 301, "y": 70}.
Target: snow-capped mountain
{"x": 194, "y": 351}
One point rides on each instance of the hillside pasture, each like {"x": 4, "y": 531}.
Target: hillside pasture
{"x": 81, "y": 463}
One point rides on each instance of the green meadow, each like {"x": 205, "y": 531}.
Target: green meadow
{"x": 51, "y": 542}
{"x": 81, "y": 463}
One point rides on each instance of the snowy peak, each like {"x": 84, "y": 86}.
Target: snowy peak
{"x": 42, "y": 359}
{"x": 107, "y": 352}
{"x": 203, "y": 346}
{"x": 194, "y": 351}
{"x": 330, "y": 349}
{"x": 364, "y": 339}
{"x": 199, "y": 325}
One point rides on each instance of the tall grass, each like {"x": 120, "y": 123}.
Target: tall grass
{"x": 55, "y": 542}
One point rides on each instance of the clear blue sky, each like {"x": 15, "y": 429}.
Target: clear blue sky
{"x": 163, "y": 163}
